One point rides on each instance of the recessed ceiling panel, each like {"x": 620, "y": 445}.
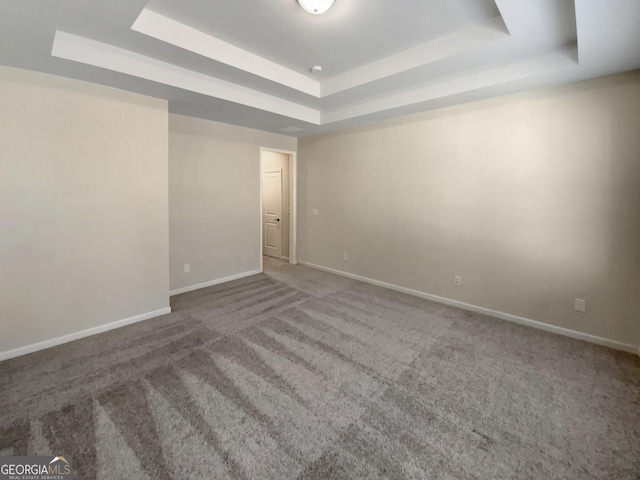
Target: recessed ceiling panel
{"x": 351, "y": 34}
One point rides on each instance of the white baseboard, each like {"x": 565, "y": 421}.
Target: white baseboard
{"x": 486, "y": 311}
{"x": 211, "y": 283}
{"x": 34, "y": 347}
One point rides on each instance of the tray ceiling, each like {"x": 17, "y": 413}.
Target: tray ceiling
{"x": 249, "y": 63}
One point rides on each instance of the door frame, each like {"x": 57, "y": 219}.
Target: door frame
{"x": 293, "y": 203}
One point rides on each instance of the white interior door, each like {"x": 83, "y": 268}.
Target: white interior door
{"x": 272, "y": 213}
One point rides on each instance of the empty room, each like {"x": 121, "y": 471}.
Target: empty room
{"x": 320, "y": 239}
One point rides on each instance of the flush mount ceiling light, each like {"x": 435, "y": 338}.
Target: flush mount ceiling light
{"x": 316, "y": 6}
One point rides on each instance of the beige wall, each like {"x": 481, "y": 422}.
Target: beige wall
{"x": 83, "y": 206}
{"x": 533, "y": 199}
{"x": 272, "y": 162}
{"x": 214, "y": 194}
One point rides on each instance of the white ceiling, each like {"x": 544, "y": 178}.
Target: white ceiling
{"x": 248, "y": 62}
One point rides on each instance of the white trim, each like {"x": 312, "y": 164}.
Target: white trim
{"x": 561, "y": 59}
{"x": 293, "y": 203}
{"x": 447, "y": 46}
{"x": 34, "y": 347}
{"x": 183, "y": 36}
{"x": 486, "y": 311}
{"x": 211, "y": 283}
{"x": 260, "y": 249}
{"x": 91, "y": 52}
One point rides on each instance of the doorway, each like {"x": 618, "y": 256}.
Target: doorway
{"x": 277, "y": 204}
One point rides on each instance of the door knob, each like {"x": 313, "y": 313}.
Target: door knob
{"x": 277, "y": 219}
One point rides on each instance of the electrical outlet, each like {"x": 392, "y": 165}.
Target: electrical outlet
{"x": 345, "y": 257}
{"x": 580, "y": 305}
{"x": 457, "y": 280}
{"x": 187, "y": 268}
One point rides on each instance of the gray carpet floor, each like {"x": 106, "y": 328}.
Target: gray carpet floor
{"x": 299, "y": 374}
